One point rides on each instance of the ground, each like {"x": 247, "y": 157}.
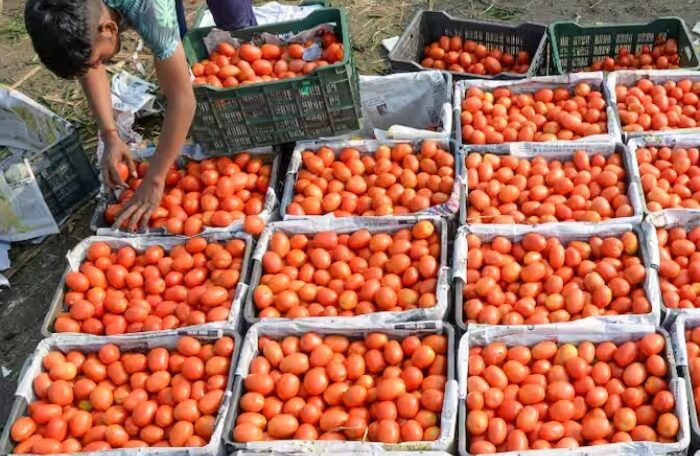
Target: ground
{"x": 37, "y": 268}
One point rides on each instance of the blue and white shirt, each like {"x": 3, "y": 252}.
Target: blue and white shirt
{"x": 154, "y": 20}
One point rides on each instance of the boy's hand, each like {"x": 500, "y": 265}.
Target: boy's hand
{"x": 116, "y": 152}
{"x": 138, "y": 209}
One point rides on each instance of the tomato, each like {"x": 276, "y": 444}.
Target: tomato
{"x": 247, "y": 432}
{"x": 77, "y": 281}
{"x": 22, "y": 429}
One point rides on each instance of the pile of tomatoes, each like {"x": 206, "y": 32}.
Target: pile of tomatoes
{"x": 650, "y": 106}
{"x": 508, "y": 189}
{"x": 112, "y": 399}
{"x": 679, "y": 267}
{"x": 396, "y": 180}
{"x": 377, "y": 389}
{"x": 329, "y": 274}
{"x": 455, "y": 54}
{"x": 229, "y": 66}
{"x": 568, "y": 396}
{"x": 662, "y": 56}
{"x": 502, "y": 115}
{"x": 213, "y": 192}
{"x": 670, "y": 177}
{"x": 121, "y": 290}
{"x": 539, "y": 280}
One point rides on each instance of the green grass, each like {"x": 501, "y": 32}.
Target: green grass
{"x": 503, "y": 13}
{"x": 12, "y": 29}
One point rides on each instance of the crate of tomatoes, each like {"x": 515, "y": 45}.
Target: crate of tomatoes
{"x": 165, "y": 393}
{"x": 567, "y": 109}
{"x": 675, "y": 239}
{"x": 470, "y": 49}
{"x": 344, "y": 388}
{"x": 594, "y": 388}
{"x": 359, "y": 268}
{"x": 273, "y": 84}
{"x": 554, "y": 274}
{"x": 686, "y": 346}
{"x": 371, "y": 178}
{"x": 667, "y": 167}
{"x": 559, "y": 182}
{"x": 202, "y": 194}
{"x": 655, "y": 102}
{"x": 142, "y": 284}
{"x": 660, "y": 44}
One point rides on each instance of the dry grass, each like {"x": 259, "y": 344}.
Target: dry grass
{"x": 371, "y": 21}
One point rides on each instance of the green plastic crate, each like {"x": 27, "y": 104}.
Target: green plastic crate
{"x": 575, "y": 47}
{"x": 325, "y": 102}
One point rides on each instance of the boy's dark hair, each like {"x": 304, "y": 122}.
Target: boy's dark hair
{"x": 62, "y": 32}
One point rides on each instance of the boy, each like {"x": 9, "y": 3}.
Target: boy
{"x": 75, "y": 37}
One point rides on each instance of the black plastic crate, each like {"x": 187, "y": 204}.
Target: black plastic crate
{"x": 322, "y": 103}
{"x": 576, "y": 47}
{"x": 64, "y": 175}
{"x": 428, "y": 26}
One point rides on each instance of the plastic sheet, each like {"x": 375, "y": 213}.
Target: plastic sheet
{"x": 349, "y": 225}
{"x": 26, "y": 129}
{"x": 448, "y": 415}
{"x": 407, "y": 106}
{"x": 594, "y": 330}
{"x": 268, "y": 13}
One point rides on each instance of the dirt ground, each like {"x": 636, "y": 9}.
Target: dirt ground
{"x": 38, "y": 268}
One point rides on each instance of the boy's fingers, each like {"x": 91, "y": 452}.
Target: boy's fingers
{"x": 146, "y": 217}
{"x": 131, "y": 164}
{"x": 124, "y": 215}
{"x": 106, "y": 175}
{"x": 136, "y": 217}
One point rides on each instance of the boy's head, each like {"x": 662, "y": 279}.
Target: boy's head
{"x": 71, "y": 36}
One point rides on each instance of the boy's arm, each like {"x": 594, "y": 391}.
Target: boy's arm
{"x": 96, "y": 86}
{"x": 174, "y": 78}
